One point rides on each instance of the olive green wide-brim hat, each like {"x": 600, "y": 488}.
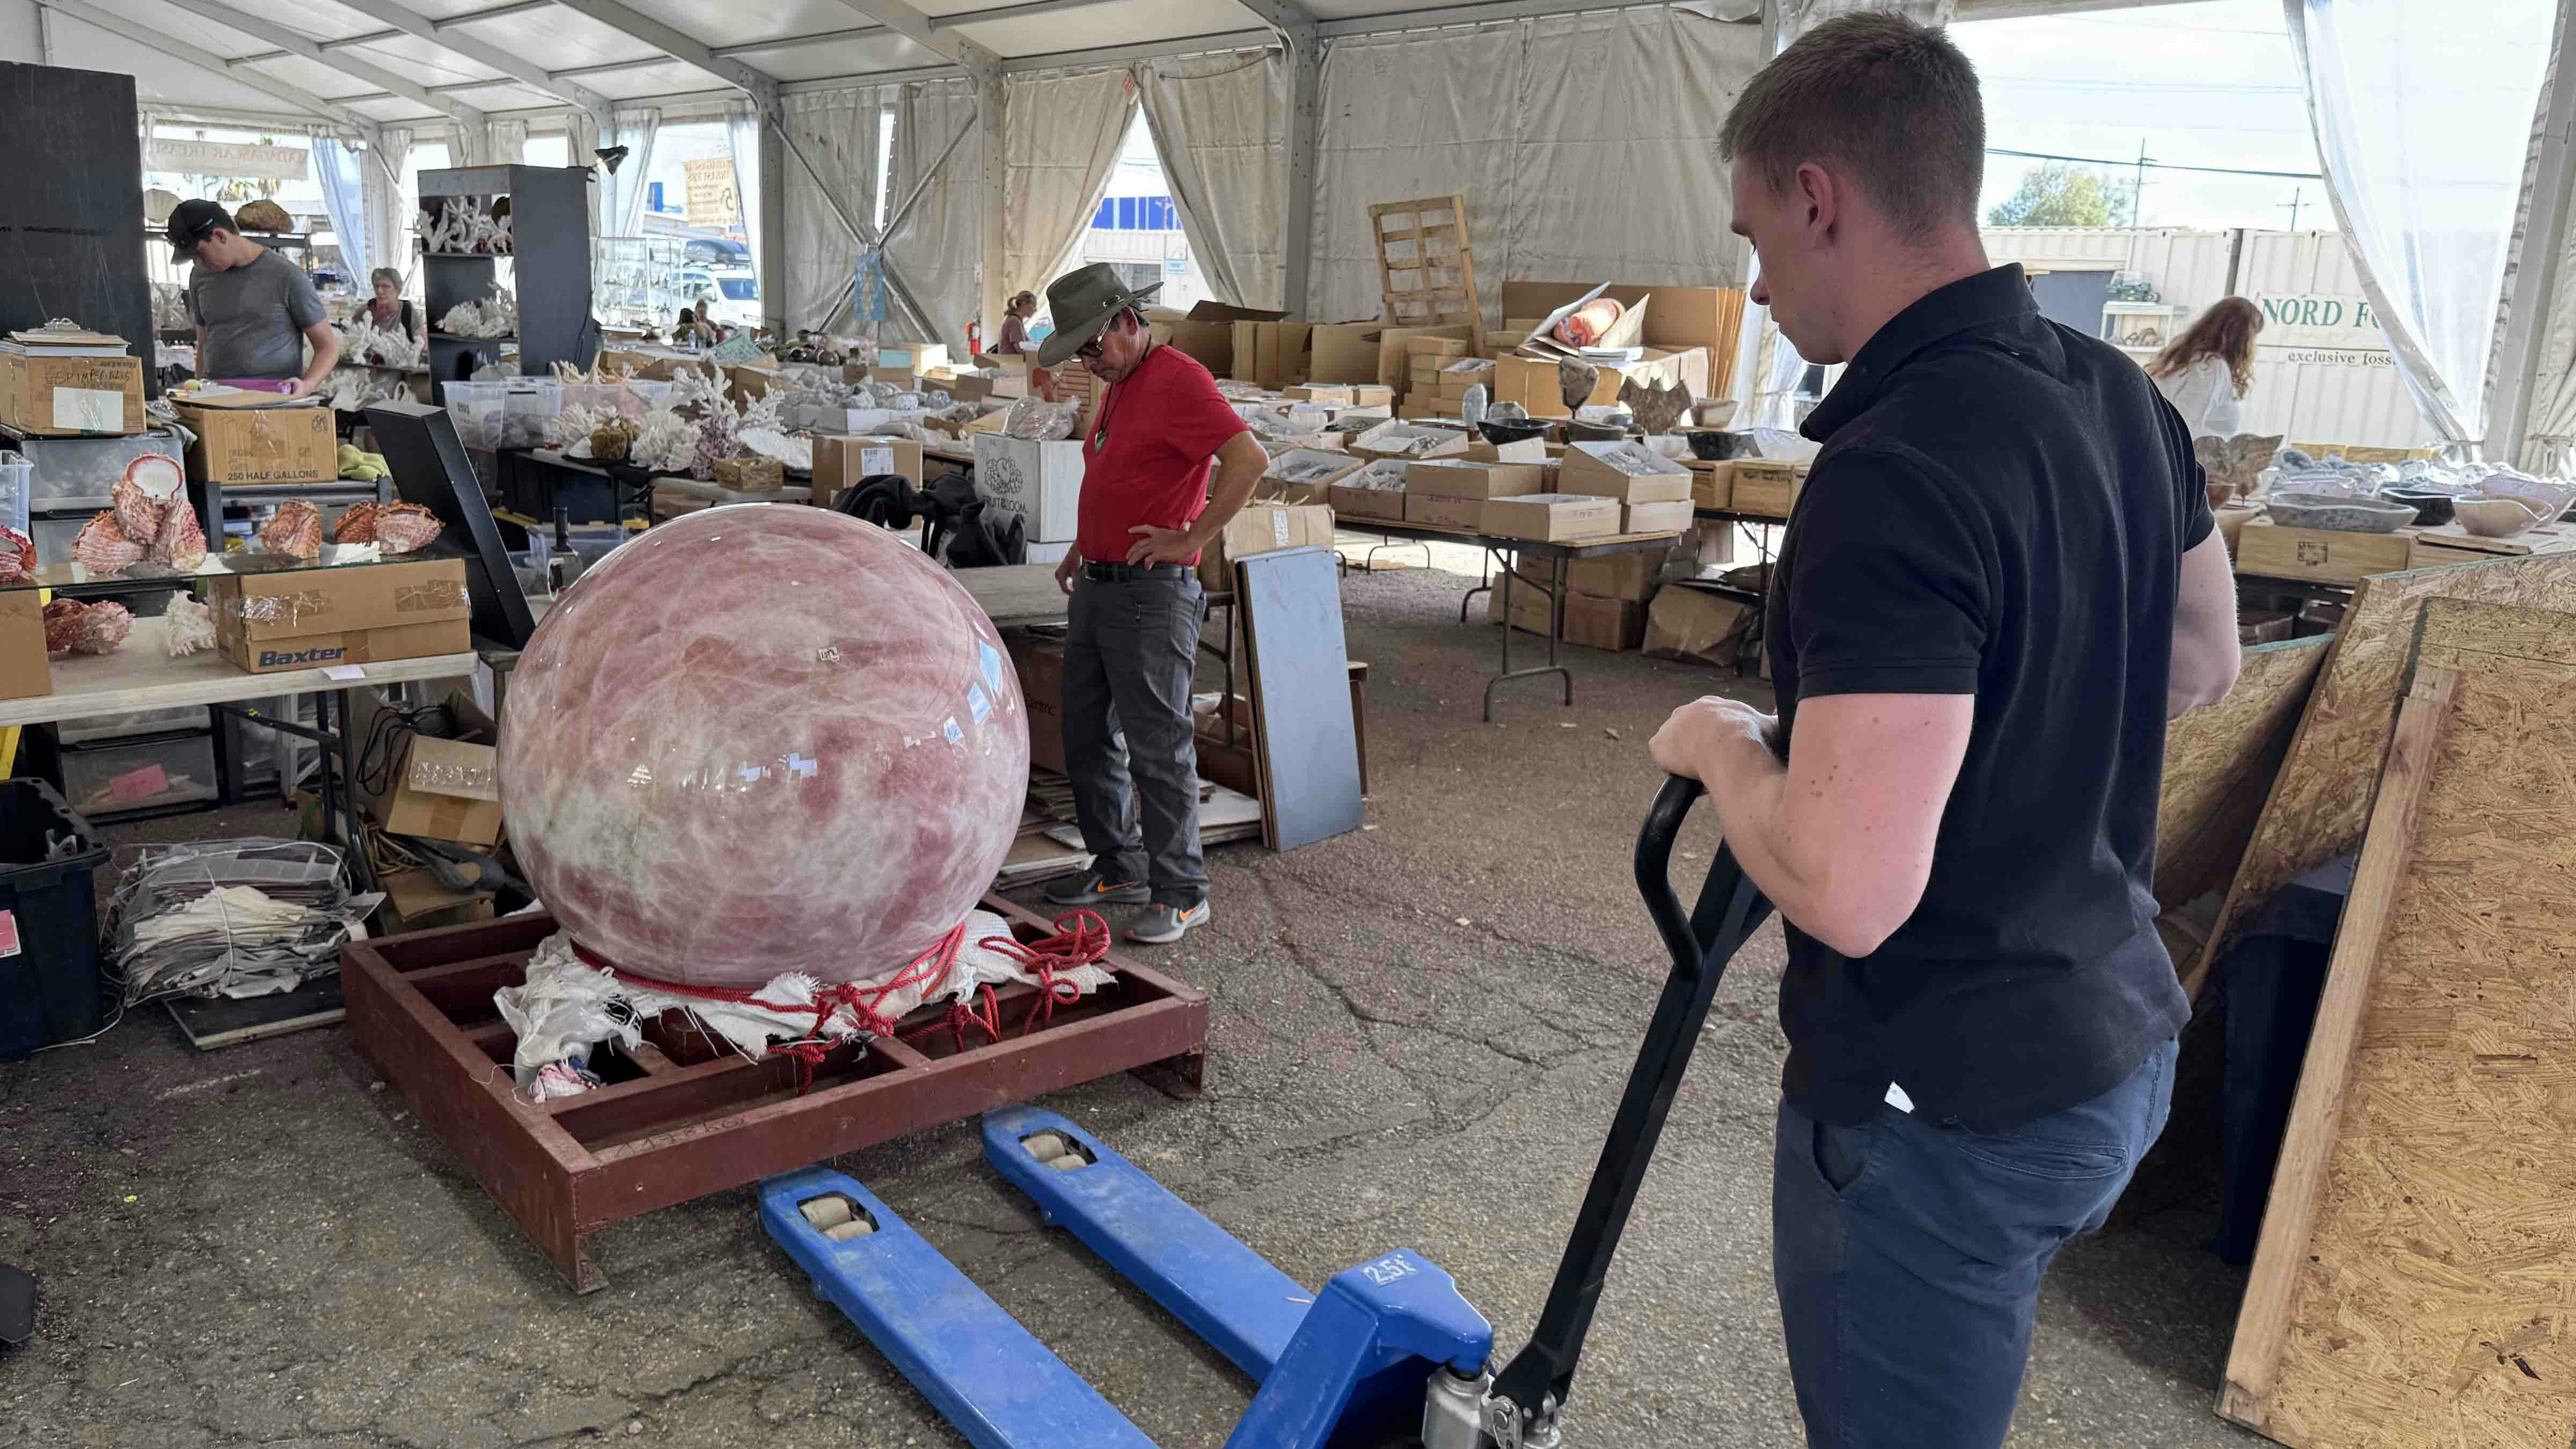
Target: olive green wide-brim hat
{"x": 1082, "y": 301}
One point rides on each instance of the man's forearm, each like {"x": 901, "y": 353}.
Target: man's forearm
{"x": 1750, "y": 787}
{"x": 326, "y": 355}
{"x": 1234, "y": 484}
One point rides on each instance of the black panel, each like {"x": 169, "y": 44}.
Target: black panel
{"x": 430, "y": 468}
{"x": 71, "y": 236}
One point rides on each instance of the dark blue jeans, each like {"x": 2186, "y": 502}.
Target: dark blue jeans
{"x": 1908, "y": 1252}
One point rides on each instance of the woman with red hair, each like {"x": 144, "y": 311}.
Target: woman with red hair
{"x": 2206, "y": 372}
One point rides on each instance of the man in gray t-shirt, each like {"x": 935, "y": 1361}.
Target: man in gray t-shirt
{"x": 254, "y": 309}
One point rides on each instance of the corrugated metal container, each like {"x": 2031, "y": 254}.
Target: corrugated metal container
{"x": 2333, "y": 381}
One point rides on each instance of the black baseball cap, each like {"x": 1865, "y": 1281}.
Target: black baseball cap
{"x": 191, "y": 221}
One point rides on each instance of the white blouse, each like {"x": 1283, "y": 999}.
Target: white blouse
{"x": 2206, "y": 397}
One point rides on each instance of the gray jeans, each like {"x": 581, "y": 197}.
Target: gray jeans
{"x": 1128, "y": 651}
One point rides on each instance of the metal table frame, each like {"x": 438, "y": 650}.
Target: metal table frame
{"x": 1557, "y": 555}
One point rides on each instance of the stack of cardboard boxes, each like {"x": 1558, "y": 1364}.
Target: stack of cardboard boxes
{"x": 1653, "y": 492}
{"x": 1425, "y": 360}
{"x": 1605, "y": 598}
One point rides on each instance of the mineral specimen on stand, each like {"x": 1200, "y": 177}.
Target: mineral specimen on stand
{"x": 763, "y": 739}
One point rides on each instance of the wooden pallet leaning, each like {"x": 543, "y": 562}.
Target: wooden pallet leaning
{"x": 687, "y": 1117}
{"x": 2411, "y": 1283}
{"x": 1425, "y": 268}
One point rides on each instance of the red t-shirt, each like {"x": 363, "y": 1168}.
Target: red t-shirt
{"x": 1146, "y": 459}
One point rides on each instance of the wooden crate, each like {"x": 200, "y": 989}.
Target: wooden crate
{"x": 1426, "y": 270}
{"x": 2450, "y": 544}
{"x": 2319, "y": 555}
{"x": 1712, "y": 484}
{"x": 1766, "y": 487}
{"x": 682, "y": 1117}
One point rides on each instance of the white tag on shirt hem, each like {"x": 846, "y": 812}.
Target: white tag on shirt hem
{"x": 1896, "y": 1098}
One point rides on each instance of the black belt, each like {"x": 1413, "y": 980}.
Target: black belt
{"x": 1113, "y": 573}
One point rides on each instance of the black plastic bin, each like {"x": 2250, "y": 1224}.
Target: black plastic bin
{"x": 49, "y": 988}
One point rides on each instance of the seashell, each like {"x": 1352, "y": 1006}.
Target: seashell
{"x": 104, "y": 548}
{"x": 358, "y": 525}
{"x": 181, "y": 543}
{"x": 295, "y": 531}
{"x": 2496, "y": 517}
{"x": 17, "y": 555}
{"x": 72, "y": 627}
{"x": 137, "y": 512}
{"x": 403, "y": 527}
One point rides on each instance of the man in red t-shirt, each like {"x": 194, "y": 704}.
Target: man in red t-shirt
{"x": 1147, "y": 510}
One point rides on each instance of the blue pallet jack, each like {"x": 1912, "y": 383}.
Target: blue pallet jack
{"x": 1388, "y": 1355}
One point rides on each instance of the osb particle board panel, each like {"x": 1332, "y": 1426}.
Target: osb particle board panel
{"x": 2321, "y": 797}
{"x": 2219, "y": 763}
{"x": 2416, "y": 1284}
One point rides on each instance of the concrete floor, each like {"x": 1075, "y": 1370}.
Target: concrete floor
{"x": 1419, "y": 1034}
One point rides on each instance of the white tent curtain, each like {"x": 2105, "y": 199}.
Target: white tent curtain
{"x": 581, "y": 144}
{"x": 509, "y": 142}
{"x": 939, "y": 247}
{"x": 1220, "y": 123}
{"x": 388, "y": 220}
{"x": 336, "y": 164}
{"x": 2421, "y": 124}
{"x": 1061, "y": 135}
{"x": 636, "y": 130}
{"x": 1586, "y": 147}
{"x": 742, "y": 134}
{"x": 837, "y": 131}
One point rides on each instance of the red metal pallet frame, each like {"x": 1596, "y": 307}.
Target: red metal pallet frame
{"x": 690, "y": 1116}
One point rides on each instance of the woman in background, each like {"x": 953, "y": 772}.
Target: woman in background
{"x": 1015, "y": 326}
{"x": 2206, "y": 372}
{"x": 387, "y": 309}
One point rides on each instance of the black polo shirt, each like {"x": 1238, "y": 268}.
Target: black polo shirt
{"x": 2000, "y": 509}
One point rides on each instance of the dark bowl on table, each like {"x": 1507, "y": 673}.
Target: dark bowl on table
{"x": 2432, "y": 506}
{"x": 1716, "y": 445}
{"x": 1499, "y": 431}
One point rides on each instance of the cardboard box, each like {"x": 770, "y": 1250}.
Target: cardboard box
{"x": 2321, "y": 555}
{"x": 24, "y": 671}
{"x": 1459, "y": 478}
{"x": 1613, "y": 625}
{"x": 1631, "y": 576}
{"x": 1372, "y": 395}
{"x": 62, "y": 397}
{"x": 1630, "y": 472}
{"x": 1343, "y": 352}
{"x": 1318, "y": 392}
{"x": 912, "y": 357}
{"x": 262, "y": 607}
{"x": 415, "y": 901}
{"x": 1206, "y": 332}
{"x": 1309, "y": 468}
{"x": 1523, "y": 450}
{"x": 1712, "y": 484}
{"x": 1676, "y": 318}
{"x": 1435, "y": 511}
{"x": 746, "y": 383}
{"x": 1765, "y": 487}
{"x": 1550, "y": 517}
{"x": 973, "y": 388}
{"x": 448, "y": 790}
{"x": 352, "y": 646}
{"x": 1656, "y": 517}
{"x": 1532, "y": 382}
{"x": 1379, "y": 503}
{"x": 1393, "y": 355}
{"x": 840, "y": 462}
{"x": 1688, "y": 623}
{"x": 1271, "y": 354}
{"x": 238, "y": 446}
{"x": 1263, "y": 528}
{"x": 1040, "y": 665}
{"x": 1074, "y": 382}
{"x": 1409, "y": 442}
{"x": 1040, "y": 481}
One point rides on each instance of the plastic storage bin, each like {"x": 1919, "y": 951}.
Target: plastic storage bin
{"x": 633, "y": 398}
{"x": 49, "y": 988}
{"x": 117, "y": 779}
{"x": 141, "y": 722}
{"x": 83, "y": 472}
{"x": 16, "y": 478}
{"x": 55, "y": 536}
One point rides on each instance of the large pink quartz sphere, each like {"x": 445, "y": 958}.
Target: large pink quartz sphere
{"x": 760, "y": 739}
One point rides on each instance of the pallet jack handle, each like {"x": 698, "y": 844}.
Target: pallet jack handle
{"x": 1530, "y": 1392}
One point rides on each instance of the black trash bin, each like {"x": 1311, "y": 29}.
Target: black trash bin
{"x": 49, "y": 987}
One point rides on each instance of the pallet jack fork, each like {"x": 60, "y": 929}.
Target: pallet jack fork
{"x": 1389, "y": 1354}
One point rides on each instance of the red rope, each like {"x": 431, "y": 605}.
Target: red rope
{"x": 1081, "y": 938}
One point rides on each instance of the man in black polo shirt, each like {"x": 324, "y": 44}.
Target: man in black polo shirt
{"x": 1998, "y": 583}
